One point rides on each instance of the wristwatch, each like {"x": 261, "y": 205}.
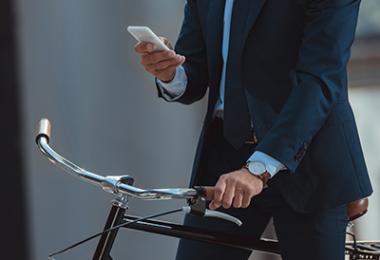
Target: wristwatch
{"x": 258, "y": 169}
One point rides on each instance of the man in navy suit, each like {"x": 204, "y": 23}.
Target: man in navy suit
{"x": 279, "y": 137}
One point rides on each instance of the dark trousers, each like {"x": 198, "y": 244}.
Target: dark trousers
{"x": 313, "y": 236}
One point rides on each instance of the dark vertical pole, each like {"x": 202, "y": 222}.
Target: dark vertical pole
{"x": 13, "y": 244}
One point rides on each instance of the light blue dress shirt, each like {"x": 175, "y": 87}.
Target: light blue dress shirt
{"x": 176, "y": 88}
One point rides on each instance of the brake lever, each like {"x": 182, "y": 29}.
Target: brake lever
{"x": 197, "y": 206}
{"x": 215, "y": 214}
{"x": 222, "y": 215}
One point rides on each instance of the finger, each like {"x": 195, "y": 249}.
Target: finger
{"x": 228, "y": 196}
{"x": 163, "y": 73}
{"x": 144, "y": 47}
{"x": 219, "y": 192}
{"x": 246, "y": 200}
{"x": 166, "y": 42}
{"x": 181, "y": 61}
{"x": 157, "y": 57}
{"x": 169, "y": 68}
{"x": 213, "y": 205}
{"x": 153, "y": 72}
{"x": 209, "y": 192}
{"x": 162, "y": 65}
{"x": 171, "y": 71}
{"x": 238, "y": 200}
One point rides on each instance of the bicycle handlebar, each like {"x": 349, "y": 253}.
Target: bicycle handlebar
{"x": 112, "y": 184}
{"x": 122, "y": 185}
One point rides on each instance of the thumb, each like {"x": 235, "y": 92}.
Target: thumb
{"x": 166, "y": 42}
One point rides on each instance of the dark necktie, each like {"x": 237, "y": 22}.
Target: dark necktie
{"x": 237, "y": 121}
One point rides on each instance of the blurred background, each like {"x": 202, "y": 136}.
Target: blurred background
{"x": 73, "y": 62}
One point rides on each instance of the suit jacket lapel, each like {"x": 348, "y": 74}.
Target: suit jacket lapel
{"x": 255, "y": 9}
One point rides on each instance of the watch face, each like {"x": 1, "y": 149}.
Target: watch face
{"x": 257, "y": 168}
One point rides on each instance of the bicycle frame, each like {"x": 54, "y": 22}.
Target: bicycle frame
{"x": 104, "y": 247}
{"x": 355, "y": 250}
{"x": 117, "y": 216}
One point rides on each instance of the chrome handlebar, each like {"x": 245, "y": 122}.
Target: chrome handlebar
{"x": 119, "y": 185}
{"x": 111, "y": 184}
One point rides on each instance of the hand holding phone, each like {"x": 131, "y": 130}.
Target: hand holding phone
{"x": 156, "y": 57}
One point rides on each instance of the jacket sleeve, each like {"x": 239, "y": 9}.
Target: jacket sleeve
{"x": 191, "y": 45}
{"x": 321, "y": 72}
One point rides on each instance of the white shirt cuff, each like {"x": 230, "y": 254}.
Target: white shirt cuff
{"x": 273, "y": 166}
{"x": 174, "y": 89}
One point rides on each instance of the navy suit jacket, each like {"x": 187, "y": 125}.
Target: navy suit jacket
{"x": 290, "y": 56}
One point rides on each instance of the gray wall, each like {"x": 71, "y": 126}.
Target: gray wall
{"x": 366, "y": 106}
{"x": 79, "y": 69}
{"x": 369, "y": 24}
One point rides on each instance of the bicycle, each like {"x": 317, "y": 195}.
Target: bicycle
{"x": 122, "y": 188}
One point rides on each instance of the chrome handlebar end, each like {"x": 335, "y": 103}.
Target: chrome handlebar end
{"x": 44, "y": 129}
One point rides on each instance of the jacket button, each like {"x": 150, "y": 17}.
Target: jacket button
{"x": 298, "y": 156}
{"x": 301, "y": 152}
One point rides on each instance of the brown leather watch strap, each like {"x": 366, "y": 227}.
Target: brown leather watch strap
{"x": 264, "y": 177}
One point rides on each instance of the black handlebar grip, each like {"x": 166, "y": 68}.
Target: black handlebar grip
{"x": 44, "y": 129}
{"x": 205, "y": 191}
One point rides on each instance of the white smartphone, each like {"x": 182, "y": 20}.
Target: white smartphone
{"x": 145, "y": 34}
